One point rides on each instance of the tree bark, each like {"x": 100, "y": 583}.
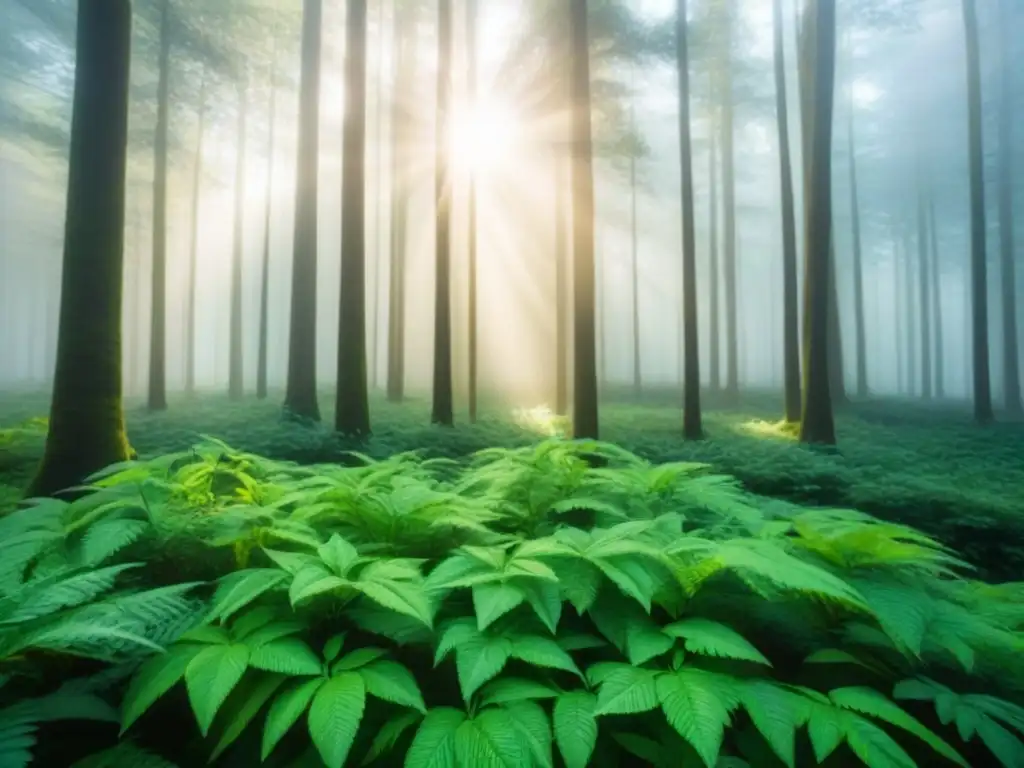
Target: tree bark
{"x": 193, "y": 255}
{"x": 236, "y": 383}
{"x": 87, "y": 429}
{"x": 714, "y": 310}
{"x": 157, "y": 400}
{"x": 858, "y": 265}
{"x": 261, "y": 360}
{"x": 634, "y": 256}
{"x": 300, "y": 395}
{"x": 352, "y": 407}
{"x": 732, "y": 384}
{"x": 585, "y": 395}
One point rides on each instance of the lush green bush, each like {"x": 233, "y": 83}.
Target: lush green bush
{"x": 556, "y": 604}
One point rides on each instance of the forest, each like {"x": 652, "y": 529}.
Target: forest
{"x": 511, "y": 383}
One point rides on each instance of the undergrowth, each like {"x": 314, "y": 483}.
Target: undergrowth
{"x": 557, "y": 604}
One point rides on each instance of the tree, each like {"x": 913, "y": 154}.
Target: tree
{"x": 634, "y": 253}
{"x": 725, "y": 92}
{"x": 300, "y": 395}
{"x": 87, "y": 430}
{"x": 585, "y": 406}
{"x": 924, "y": 296}
{"x": 979, "y": 270}
{"x": 193, "y": 258}
{"x": 858, "y": 262}
{"x": 790, "y": 311}
{"x": 1007, "y": 267}
{"x": 715, "y": 340}
{"x": 940, "y": 358}
{"x": 352, "y": 407}
{"x": 692, "y": 427}
{"x": 818, "y": 65}
{"x": 235, "y": 370}
{"x": 442, "y": 411}
{"x": 261, "y": 352}
{"x": 471, "y": 321}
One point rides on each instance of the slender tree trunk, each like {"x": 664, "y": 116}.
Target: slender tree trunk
{"x": 634, "y": 257}
{"x": 692, "y": 427}
{"x": 901, "y": 314}
{"x": 585, "y": 396}
{"x": 193, "y": 255}
{"x": 979, "y": 270}
{"x": 791, "y": 312}
{"x": 940, "y": 358}
{"x": 911, "y": 312}
{"x": 442, "y": 411}
{"x": 400, "y": 130}
{"x": 817, "y": 424}
{"x": 300, "y": 396}
{"x": 924, "y": 297}
{"x": 1007, "y": 267}
{"x": 836, "y": 360}
{"x": 378, "y": 207}
{"x": 858, "y": 265}
{"x": 713, "y": 289}
{"x": 261, "y": 360}
{"x": 87, "y": 430}
{"x": 729, "y": 210}
{"x": 157, "y": 400}
{"x": 561, "y": 289}
{"x": 236, "y": 383}
{"x": 352, "y": 407}
{"x": 472, "y": 328}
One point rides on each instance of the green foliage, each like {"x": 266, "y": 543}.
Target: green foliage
{"x": 563, "y": 603}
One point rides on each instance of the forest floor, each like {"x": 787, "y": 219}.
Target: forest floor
{"x": 919, "y": 464}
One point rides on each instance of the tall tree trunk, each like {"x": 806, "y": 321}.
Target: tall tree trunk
{"x": 901, "y": 311}
{"x": 924, "y": 297}
{"x": 87, "y": 430}
{"x": 157, "y": 400}
{"x": 352, "y": 407}
{"x": 732, "y": 382}
{"x": 585, "y": 398}
{"x": 561, "y": 289}
{"x": 791, "y": 311}
{"x": 715, "y": 339}
{"x": 1007, "y": 267}
{"x": 858, "y": 265}
{"x": 634, "y": 255}
{"x": 235, "y": 370}
{"x": 912, "y": 311}
{"x": 193, "y": 253}
{"x": 442, "y": 411}
{"x": 378, "y": 206}
{"x": 471, "y": 322}
{"x": 818, "y": 60}
{"x": 132, "y": 320}
{"x": 940, "y": 357}
{"x": 979, "y": 270}
{"x": 300, "y": 395}
{"x": 836, "y": 360}
{"x": 261, "y": 359}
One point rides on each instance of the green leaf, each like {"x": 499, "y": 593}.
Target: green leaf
{"x": 286, "y": 709}
{"x": 239, "y": 589}
{"x": 338, "y": 555}
{"x": 480, "y": 660}
{"x": 875, "y": 747}
{"x": 492, "y": 601}
{"x": 510, "y": 689}
{"x": 154, "y": 678}
{"x": 434, "y": 744}
{"x": 407, "y": 598}
{"x": 1007, "y": 748}
{"x": 360, "y": 657}
{"x": 288, "y": 656}
{"x": 645, "y": 642}
{"x": 209, "y": 678}
{"x": 712, "y": 638}
{"x": 546, "y": 601}
{"x": 576, "y": 727}
{"x": 534, "y": 729}
{"x": 240, "y": 712}
{"x": 333, "y": 646}
{"x": 389, "y": 734}
{"x": 491, "y": 740}
{"x": 777, "y": 713}
{"x": 543, "y": 652}
{"x": 697, "y": 704}
{"x": 334, "y": 717}
{"x": 580, "y": 582}
{"x": 627, "y": 691}
{"x": 390, "y": 681}
{"x": 826, "y": 728}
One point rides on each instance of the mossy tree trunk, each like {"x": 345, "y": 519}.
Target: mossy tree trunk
{"x": 157, "y": 399}
{"x": 585, "y": 397}
{"x": 87, "y": 430}
{"x": 352, "y": 408}
{"x": 300, "y": 396}
{"x": 692, "y": 426}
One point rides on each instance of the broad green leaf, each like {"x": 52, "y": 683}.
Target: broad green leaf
{"x": 826, "y": 728}
{"x": 434, "y": 744}
{"x": 645, "y": 642}
{"x": 208, "y": 634}
{"x": 333, "y": 646}
{"x": 712, "y": 638}
{"x": 491, "y": 740}
{"x": 543, "y": 652}
{"x": 389, "y": 734}
{"x": 239, "y": 589}
{"x": 286, "y": 709}
{"x": 580, "y": 582}
{"x": 776, "y": 713}
{"x": 627, "y": 691}
{"x": 875, "y": 747}
{"x": 211, "y": 676}
{"x": 534, "y": 728}
{"x": 288, "y": 656}
{"x": 154, "y": 678}
{"x": 576, "y": 727}
{"x": 492, "y": 601}
{"x": 1007, "y": 748}
{"x": 313, "y": 582}
{"x": 546, "y": 600}
{"x": 511, "y": 689}
{"x": 338, "y": 555}
{"x": 334, "y": 717}
{"x": 360, "y": 657}
{"x": 407, "y": 598}
{"x": 269, "y": 633}
{"x": 480, "y": 660}
{"x": 240, "y": 710}
{"x": 697, "y": 704}
{"x": 390, "y": 681}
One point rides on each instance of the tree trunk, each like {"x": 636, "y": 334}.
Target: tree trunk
{"x": 87, "y": 430}
{"x": 471, "y": 322}
{"x": 732, "y": 384}
{"x": 634, "y": 257}
{"x": 400, "y": 129}
{"x": 791, "y": 312}
{"x": 817, "y": 424}
{"x": 352, "y": 407}
{"x": 261, "y": 359}
{"x": 585, "y": 397}
{"x": 300, "y": 395}
{"x": 979, "y": 271}
{"x": 692, "y": 427}
{"x": 901, "y": 314}
{"x": 940, "y": 358}
{"x": 858, "y": 266}
{"x": 836, "y": 361}
{"x": 714, "y": 324}
{"x": 193, "y": 255}
{"x": 1007, "y": 267}
{"x": 924, "y": 297}
{"x": 157, "y": 400}
{"x": 912, "y": 311}
{"x": 378, "y": 207}
{"x": 442, "y": 411}
{"x": 235, "y": 369}
{"x": 561, "y": 289}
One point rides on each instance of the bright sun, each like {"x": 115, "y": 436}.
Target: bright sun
{"x": 484, "y": 137}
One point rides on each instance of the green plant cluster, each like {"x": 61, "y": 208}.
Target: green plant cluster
{"x": 566, "y": 603}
